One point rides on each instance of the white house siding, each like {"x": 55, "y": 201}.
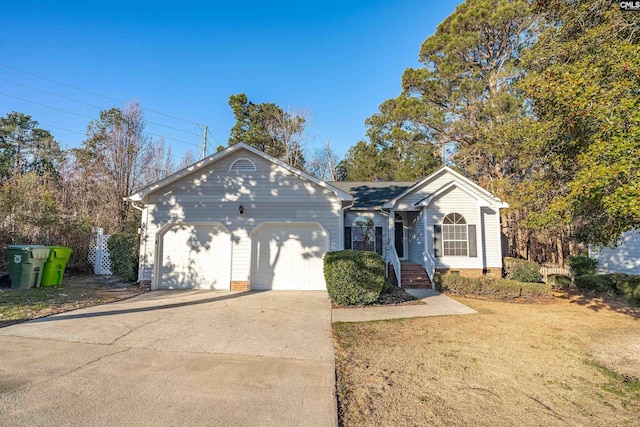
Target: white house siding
{"x": 623, "y": 259}
{"x": 491, "y": 239}
{"x": 379, "y": 220}
{"x": 416, "y": 236}
{"x": 213, "y": 194}
{"x": 439, "y": 181}
{"x": 455, "y": 200}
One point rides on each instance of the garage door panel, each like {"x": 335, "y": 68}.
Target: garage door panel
{"x": 289, "y": 256}
{"x": 195, "y": 256}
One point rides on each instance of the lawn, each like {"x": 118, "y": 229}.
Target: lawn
{"x": 565, "y": 362}
{"x": 20, "y": 305}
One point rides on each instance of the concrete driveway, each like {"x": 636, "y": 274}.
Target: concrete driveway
{"x": 174, "y": 358}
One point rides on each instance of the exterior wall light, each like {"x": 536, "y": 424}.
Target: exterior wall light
{"x": 241, "y": 209}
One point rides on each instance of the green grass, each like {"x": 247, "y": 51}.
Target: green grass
{"x": 619, "y": 385}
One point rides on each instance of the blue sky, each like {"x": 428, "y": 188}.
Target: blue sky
{"x": 334, "y": 60}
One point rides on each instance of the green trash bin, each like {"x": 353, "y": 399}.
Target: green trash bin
{"x": 25, "y": 265}
{"x": 54, "y": 267}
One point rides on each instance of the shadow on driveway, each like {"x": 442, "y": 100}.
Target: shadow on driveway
{"x": 144, "y": 309}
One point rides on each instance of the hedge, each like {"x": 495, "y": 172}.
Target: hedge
{"x": 521, "y": 270}
{"x": 625, "y": 285}
{"x": 493, "y": 287}
{"x": 561, "y": 281}
{"x": 354, "y": 277}
{"x": 123, "y": 254}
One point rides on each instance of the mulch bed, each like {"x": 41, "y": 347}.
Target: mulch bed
{"x": 395, "y": 296}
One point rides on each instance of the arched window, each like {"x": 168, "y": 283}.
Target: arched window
{"x": 363, "y": 232}
{"x": 455, "y": 240}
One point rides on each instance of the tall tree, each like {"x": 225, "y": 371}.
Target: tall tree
{"x": 269, "y": 128}
{"x": 364, "y": 163}
{"x": 462, "y": 99}
{"x": 584, "y": 87}
{"x": 465, "y": 86}
{"x": 26, "y": 147}
{"x": 115, "y": 158}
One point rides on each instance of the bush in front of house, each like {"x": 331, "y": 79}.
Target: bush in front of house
{"x": 493, "y": 287}
{"x": 521, "y": 270}
{"x": 354, "y": 277}
{"x": 582, "y": 265}
{"x": 123, "y": 254}
{"x": 590, "y": 283}
{"x": 560, "y": 281}
{"x": 625, "y": 285}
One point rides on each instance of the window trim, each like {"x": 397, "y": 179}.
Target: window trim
{"x": 458, "y": 224}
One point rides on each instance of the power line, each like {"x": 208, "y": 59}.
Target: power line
{"x": 92, "y": 105}
{"x": 63, "y": 129}
{"x": 94, "y": 93}
{"x": 88, "y": 117}
{"x": 47, "y": 106}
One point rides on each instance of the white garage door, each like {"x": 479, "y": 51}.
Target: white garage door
{"x": 195, "y": 256}
{"x": 289, "y": 256}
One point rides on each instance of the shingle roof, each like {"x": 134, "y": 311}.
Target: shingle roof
{"x": 372, "y": 194}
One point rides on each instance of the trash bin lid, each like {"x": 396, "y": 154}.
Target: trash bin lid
{"x": 26, "y": 247}
{"x": 60, "y": 252}
{"x": 37, "y": 251}
{"x": 40, "y": 252}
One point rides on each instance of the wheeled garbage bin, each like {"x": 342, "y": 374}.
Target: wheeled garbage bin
{"x": 25, "y": 265}
{"x": 55, "y": 265}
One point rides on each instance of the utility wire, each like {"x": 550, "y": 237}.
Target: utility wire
{"x": 93, "y": 93}
{"x": 63, "y": 129}
{"x": 88, "y": 117}
{"x": 92, "y": 105}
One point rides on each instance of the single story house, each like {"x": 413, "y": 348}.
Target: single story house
{"x": 241, "y": 219}
{"x": 624, "y": 258}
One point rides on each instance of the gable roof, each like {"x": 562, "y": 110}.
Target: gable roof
{"x": 469, "y": 185}
{"x": 373, "y": 194}
{"x": 445, "y": 188}
{"x": 158, "y": 185}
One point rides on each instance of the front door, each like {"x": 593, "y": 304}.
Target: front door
{"x": 399, "y": 239}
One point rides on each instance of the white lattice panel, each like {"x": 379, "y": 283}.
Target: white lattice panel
{"x": 99, "y": 254}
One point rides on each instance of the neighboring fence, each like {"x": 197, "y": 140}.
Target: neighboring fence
{"x": 99, "y": 254}
{"x": 546, "y": 271}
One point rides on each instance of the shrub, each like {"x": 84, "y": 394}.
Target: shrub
{"x": 626, "y": 285}
{"x": 493, "y": 287}
{"x": 559, "y": 280}
{"x": 581, "y": 265}
{"x": 354, "y": 277}
{"x": 593, "y": 283}
{"x": 521, "y": 270}
{"x": 123, "y": 253}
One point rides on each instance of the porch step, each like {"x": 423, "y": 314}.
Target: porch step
{"x": 414, "y": 276}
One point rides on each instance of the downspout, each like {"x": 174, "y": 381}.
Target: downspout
{"x": 141, "y": 231}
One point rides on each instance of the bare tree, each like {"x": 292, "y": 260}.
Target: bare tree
{"x": 161, "y": 162}
{"x": 288, "y": 129}
{"x": 324, "y": 163}
{"x": 188, "y": 159}
{"x": 115, "y": 160}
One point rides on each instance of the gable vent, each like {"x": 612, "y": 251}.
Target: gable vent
{"x": 242, "y": 165}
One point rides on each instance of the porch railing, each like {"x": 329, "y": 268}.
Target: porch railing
{"x": 429, "y": 265}
{"x": 392, "y": 257}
